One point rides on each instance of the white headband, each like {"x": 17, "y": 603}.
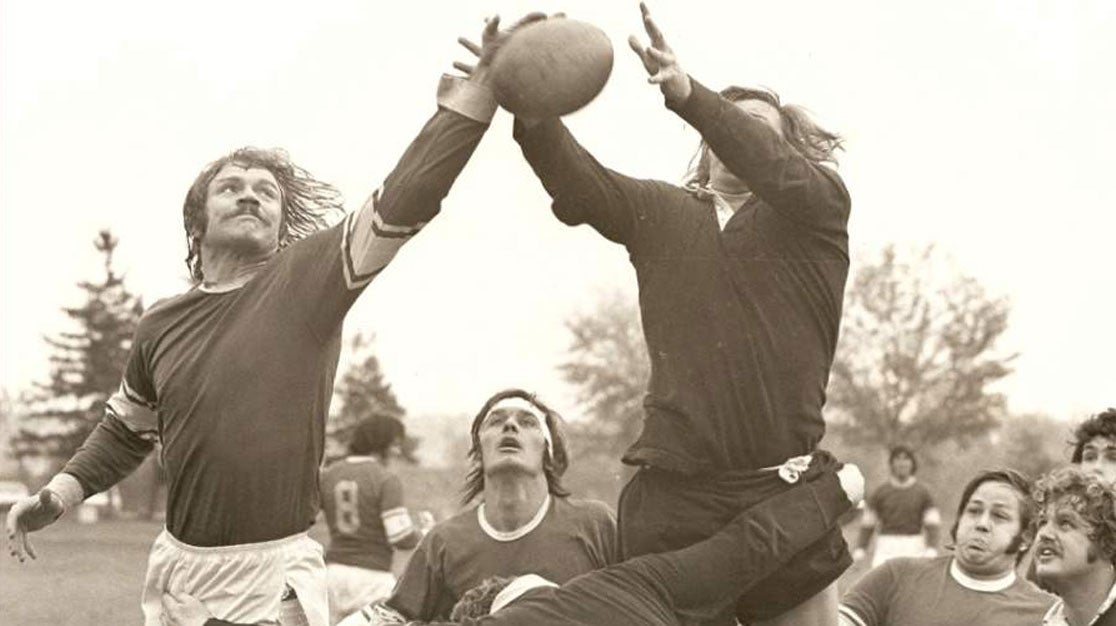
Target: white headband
{"x": 517, "y": 587}
{"x": 516, "y": 402}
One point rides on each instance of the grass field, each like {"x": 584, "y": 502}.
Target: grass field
{"x": 91, "y": 574}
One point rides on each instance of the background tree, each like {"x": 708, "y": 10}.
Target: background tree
{"x": 86, "y": 364}
{"x": 362, "y": 392}
{"x": 607, "y": 364}
{"x": 917, "y": 354}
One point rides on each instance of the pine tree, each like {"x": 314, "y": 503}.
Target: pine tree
{"x": 85, "y": 366}
{"x": 362, "y": 392}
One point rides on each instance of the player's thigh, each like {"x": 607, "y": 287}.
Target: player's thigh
{"x": 820, "y": 610}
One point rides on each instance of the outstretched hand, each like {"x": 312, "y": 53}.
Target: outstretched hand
{"x": 30, "y": 514}
{"x": 659, "y": 61}
{"x": 492, "y": 38}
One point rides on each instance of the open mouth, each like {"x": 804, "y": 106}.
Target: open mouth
{"x": 1046, "y": 552}
{"x": 509, "y": 444}
{"x": 978, "y": 546}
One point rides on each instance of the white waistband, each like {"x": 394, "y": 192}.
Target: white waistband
{"x": 240, "y": 547}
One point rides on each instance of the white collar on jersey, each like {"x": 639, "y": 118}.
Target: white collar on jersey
{"x": 512, "y": 535}
{"x": 517, "y": 587}
{"x": 986, "y": 586}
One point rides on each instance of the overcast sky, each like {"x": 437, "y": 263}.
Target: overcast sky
{"x": 986, "y": 128}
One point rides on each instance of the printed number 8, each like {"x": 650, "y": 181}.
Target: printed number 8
{"x": 346, "y": 495}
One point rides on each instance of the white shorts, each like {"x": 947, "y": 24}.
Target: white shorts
{"x": 242, "y": 583}
{"x": 351, "y": 588}
{"x": 892, "y": 546}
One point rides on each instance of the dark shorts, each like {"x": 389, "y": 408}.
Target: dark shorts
{"x": 660, "y": 511}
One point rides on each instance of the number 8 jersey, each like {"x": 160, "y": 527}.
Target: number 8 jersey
{"x": 363, "y": 504}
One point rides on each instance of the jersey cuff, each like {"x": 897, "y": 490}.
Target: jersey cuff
{"x": 467, "y": 98}
{"x": 68, "y": 489}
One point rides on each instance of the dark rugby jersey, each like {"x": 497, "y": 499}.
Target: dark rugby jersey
{"x": 741, "y": 324}
{"x": 363, "y": 504}
{"x": 901, "y": 510}
{"x": 237, "y": 385}
{"x": 574, "y": 537}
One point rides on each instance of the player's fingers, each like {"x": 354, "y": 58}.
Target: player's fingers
{"x": 664, "y": 57}
{"x": 27, "y": 547}
{"x": 15, "y": 547}
{"x": 534, "y": 16}
{"x": 464, "y": 67}
{"x": 469, "y": 45}
{"x": 641, "y": 52}
{"x": 491, "y": 26}
{"x": 656, "y": 35}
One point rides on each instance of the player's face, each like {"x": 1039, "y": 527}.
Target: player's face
{"x": 512, "y": 439}
{"x": 1063, "y": 550}
{"x": 243, "y": 209}
{"x": 720, "y": 178}
{"x": 988, "y": 524}
{"x": 902, "y": 467}
{"x": 1099, "y": 456}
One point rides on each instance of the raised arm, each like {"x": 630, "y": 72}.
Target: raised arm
{"x": 771, "y": 167}
{"x": 583, "y": 190}
{"x": 412, "y": 193}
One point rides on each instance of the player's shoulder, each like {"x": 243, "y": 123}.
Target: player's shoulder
{"x": 458, "y": 526}
{"x": 325, "y": 238}
{"x": 577, "y": 508}
{"x": 1028, "y": 592}
{"x": 912, "y": 566}
{"x": 165, "y": 311}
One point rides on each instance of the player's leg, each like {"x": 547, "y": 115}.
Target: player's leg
{"x": 820, "y": 610}
{"x": 758, "y": 542}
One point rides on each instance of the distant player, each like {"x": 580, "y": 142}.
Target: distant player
{"x": 656, "y": 589}
{"x": 526, "y": 522}
{"x": 1095, "y": 445}
{"x": 903, "y": 512}
{"x": 741, "y": 273}
{"x": 1075, "y": 547}
{"x": 364, "y": 509}
{"x": 234, "y": 377}
{"x": 977, "y": 584}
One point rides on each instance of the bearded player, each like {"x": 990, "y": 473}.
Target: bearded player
{"x": 234, "y": 376}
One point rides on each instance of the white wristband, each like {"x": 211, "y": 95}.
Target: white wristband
{"x": 68, "y": 489}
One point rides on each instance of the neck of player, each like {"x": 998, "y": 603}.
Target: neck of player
{"x": 228, "y": 268}
{"x": 1084, "y": 594}
{"x": 511, "y": 499}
